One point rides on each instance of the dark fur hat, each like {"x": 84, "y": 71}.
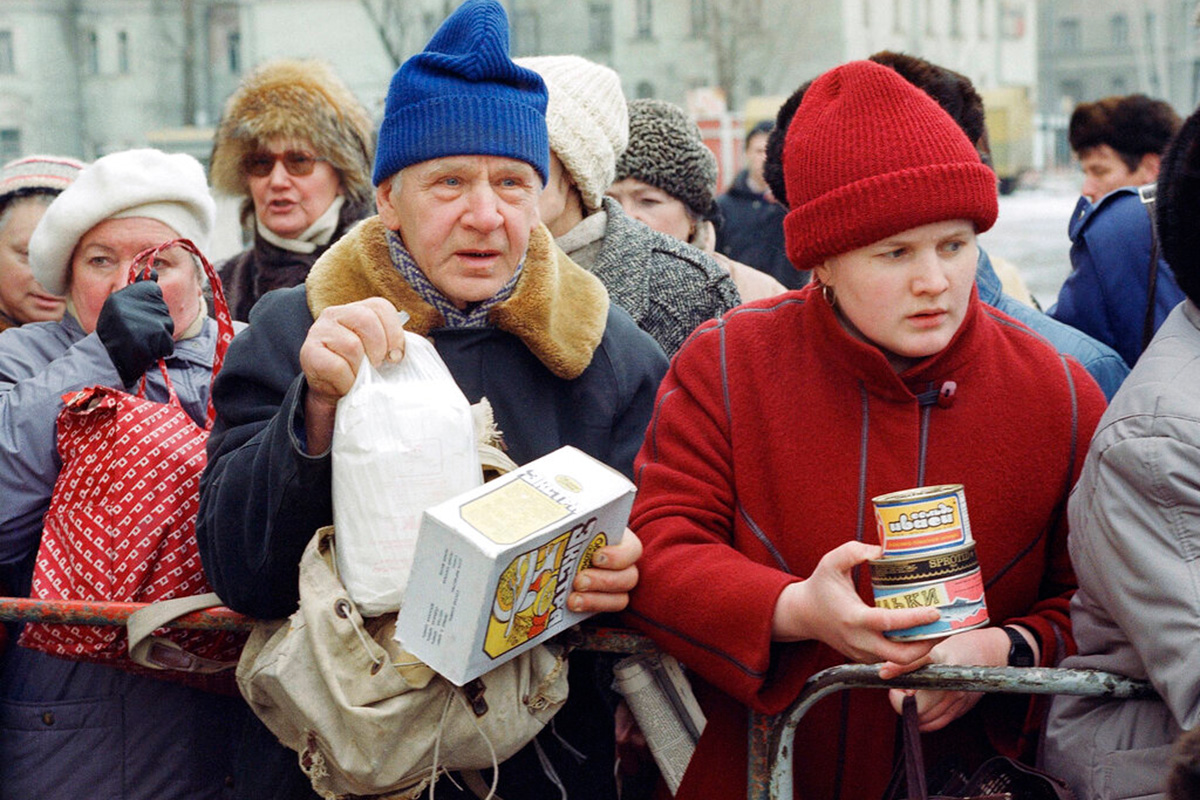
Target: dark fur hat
{"x": 296, "y": 100}
{"x": 1178, "y": 206}
{"x": 666, "y": 150}
{"x": 1133, "y": 125}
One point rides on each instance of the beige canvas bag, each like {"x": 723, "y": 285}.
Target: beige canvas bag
{"x": 366, "y": 717}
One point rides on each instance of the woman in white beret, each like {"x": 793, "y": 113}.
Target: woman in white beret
{"x": 71, "y": 729}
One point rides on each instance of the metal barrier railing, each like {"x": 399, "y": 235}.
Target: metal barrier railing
{"x": 771, "y": 737}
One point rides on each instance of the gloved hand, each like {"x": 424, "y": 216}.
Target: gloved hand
{"x": 136, "y": 328}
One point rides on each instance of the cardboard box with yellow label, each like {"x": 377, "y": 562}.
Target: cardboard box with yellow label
{"x": 494, "y": 566}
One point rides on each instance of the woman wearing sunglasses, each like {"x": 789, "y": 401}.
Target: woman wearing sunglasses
{"x": 297, "y": 145}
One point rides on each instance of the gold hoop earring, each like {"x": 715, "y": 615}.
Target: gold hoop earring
{"x": 827, "y": 293}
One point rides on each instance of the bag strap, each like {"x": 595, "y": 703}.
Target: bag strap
{"x": 914, "y": 758}
{"x": 1147, "y": 195}
{"x": 141, "y": 267}
{"x": 158, "y": 653}
{"x": 473, "y": 780}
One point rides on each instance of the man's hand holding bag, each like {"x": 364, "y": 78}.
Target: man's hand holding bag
{"x": 365, "y": 716}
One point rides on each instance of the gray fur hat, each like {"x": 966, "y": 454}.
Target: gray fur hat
{"x": 295, "y": 99}
{"x": 665, "y": 150}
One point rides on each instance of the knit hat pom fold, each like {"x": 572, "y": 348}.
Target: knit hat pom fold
{"x": 868, "y": 155}
{"x": 587, "y": 120}
{"x": 463, "y": 95}
{"x": 49, "y": 174}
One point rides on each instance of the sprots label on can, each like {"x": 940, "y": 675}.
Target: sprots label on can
{"x": 921, "y": 520}
{"x": 949, "y": 581}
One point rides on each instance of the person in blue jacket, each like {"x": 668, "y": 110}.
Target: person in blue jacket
{"x": 1107, "y": 294}
{"x": 1119, "y": 142}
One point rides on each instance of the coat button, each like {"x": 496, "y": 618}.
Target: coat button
{"x": 48, "y": 718}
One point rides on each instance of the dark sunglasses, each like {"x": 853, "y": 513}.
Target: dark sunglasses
{"x": 296, "y": 162}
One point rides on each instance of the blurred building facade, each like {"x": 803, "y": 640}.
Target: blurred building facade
{"x": 86, "y": 77}
{"x": 1096, "y": 48}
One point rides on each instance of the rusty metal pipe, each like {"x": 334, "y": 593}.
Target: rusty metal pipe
{"x": 774, "y": 737}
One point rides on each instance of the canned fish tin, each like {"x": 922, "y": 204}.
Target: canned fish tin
{"x": 949, "y": 580}
{"x": 922, "y": 520}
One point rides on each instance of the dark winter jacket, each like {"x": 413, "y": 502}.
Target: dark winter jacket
{"x": 773, "y": 429}
{"x": 667, "y": 286}
{"x": 1105, "y": 296}
{"x": 752, "y": 232}
{"x": 262, "y": 267}
{"x": 70, "y": 729}
{"x": 560, "y": 366}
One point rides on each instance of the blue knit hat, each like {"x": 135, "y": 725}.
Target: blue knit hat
{"x": 463, "y": 95}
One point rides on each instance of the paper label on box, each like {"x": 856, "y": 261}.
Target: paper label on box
{"x": 531, "y": 594}
{"x": 513, "y": 511}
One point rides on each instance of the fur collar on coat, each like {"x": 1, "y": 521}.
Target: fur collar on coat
{"x": 557, "y": 309}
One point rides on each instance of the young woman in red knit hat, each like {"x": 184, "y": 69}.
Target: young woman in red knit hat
{"x": 778, "y": 423}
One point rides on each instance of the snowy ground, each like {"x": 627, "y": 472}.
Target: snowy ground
{"x": 1031, "y": 232}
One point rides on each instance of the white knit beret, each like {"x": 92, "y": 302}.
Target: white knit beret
{"x": 587, "y": 118}
{"x": 170, "y": 188}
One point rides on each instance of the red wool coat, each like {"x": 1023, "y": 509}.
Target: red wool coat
{"x": 773, "y": 430}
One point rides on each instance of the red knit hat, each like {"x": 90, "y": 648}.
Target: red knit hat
{"x": 869, "y": 155}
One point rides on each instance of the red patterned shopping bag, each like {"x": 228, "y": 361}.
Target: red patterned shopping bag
{"x": 122, "y": 519}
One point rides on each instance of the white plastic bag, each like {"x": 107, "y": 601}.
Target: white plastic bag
{"x": 403, "y": 440}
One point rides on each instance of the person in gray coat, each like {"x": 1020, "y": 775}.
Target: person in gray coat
{"x": 70, "y": 729}
{"x": 668, "y": 287}
{"x": 1135, "y": 534}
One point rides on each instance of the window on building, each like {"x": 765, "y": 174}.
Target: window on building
{"x": 644, "y": 23}
{"x": 1119, "y": 30}
{"x": 929, "y": 13}
{"x": 1068, "y": 35}
{"x": 1012, "y": 19}
{"x": 699, "y": 18}
{"x": 233, "y": 52}
{"x": 600, "y": 29}
{"x": 7, "y": 62}
{"x": 645, "y": 89}
{"x": 1071, "y": 93}
{"x": 525, "y": 32}
{"x": 981, "y": 15}
{"x": 956, "y": 19}
{"x": 91, "y": 53}
{"x": 897, "y": 16}
{"x": 866, "y": 13}
{"x": 1119, "y": 85}
{"x": 1151, "y": 22}
{"x": 754, "y": 87}
{"x": 10, "y": 144}
{"x": 123, "y": 52}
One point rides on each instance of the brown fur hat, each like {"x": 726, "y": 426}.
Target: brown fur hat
{"x": 301, "y": 100}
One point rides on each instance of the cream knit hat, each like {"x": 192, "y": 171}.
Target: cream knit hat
{"x": 133, "y": 183}
{"x": 48, "y": 174}
{"x": 588, "y": 120}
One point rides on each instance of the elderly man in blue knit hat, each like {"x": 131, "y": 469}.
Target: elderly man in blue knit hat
{"x": 461, "y": 162}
